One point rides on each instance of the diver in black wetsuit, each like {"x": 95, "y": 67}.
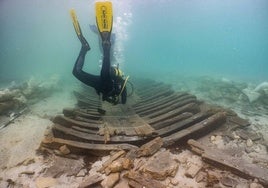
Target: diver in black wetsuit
{"x": 110, "y": 82}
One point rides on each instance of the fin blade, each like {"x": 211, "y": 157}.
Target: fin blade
{"x": 75, "y": 23}
{"x": 104, "y": 16}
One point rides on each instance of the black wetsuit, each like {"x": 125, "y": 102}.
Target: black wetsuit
{"x": 105, "y": 83}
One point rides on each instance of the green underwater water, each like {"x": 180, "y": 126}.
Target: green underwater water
{"x": 153, "y": 38}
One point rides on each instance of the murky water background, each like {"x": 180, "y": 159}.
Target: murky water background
{"x": 153, "y": 38}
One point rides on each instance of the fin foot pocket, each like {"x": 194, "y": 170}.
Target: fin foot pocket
{"x": 84, "y": 43}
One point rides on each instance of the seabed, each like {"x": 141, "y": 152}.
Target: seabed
{"x": 201, "y": 132}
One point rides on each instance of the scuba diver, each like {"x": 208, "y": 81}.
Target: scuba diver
{"x": 110, "y": 83}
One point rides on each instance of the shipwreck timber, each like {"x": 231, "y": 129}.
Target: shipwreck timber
{"x": 154, "y": 110}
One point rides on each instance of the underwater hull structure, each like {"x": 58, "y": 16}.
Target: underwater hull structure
{"x": 154, "y": 110}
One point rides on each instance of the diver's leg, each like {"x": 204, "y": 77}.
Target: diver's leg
{"x": 106, "y": 80}
{"x": 106, "y": 64}
{"x": 86, "y": 78}
{"x": 85, "y": 45}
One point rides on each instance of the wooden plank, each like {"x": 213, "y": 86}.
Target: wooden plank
{"x": 191, "y": 107}
{"x": 68, "y": 122}
{"x": 84, "y": 130}
{"x": 236, "y": 165}
{"x": 162, "y": 100}
{"x": 91, "y": 121}
{"x": 150, "y": 148}
{"x": 154, "y": 97}
{"x": 131, "y": 125}
{"x": 169, "y": 108}
{"x": 95, "y": 138}
{"x": 170, "y": 121}
{"x": 144, "y": 130}
{"x": 182, "y": 124}
{"x": 153, "y": 104}
{"x": 214, "y": 120}
{"x": 57, "y": 142}
{"x": 86, "y": 115}
{"x": 166, "y": 104}
{"x": 150, "y": 104}
{"x": 68, "y": 132}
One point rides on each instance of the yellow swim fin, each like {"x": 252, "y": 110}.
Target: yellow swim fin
{"x": 104, "y": 19}
{"x": 76, "y": 23}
